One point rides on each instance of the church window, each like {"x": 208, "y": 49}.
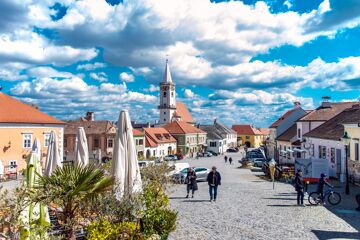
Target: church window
{"x": 164, "y": 94}
{"x": 164, "y": 120}
{"x": 172, "y": 94}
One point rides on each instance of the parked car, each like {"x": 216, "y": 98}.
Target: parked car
{"x": 232, "y": 150}
{"x": 171, "y": 157}
{"x": 145, "y": 163}
{"x": 201, "y": 174}
{"x": 207, "y": 154}
{"x": 213, "y": 153}
{"x": 177, "y": 167}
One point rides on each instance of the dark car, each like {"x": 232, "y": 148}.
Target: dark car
{"x": 232, "y": 150}
{"x": 213, "y": 153}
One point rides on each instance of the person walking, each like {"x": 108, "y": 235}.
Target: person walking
{"x": 230, "y": 160}
{"x": 191, "y": 183}
{"x": 225, "y": 158}
{"x": 299, "y": 188}
{"x": 320, "y": 186}
{"x": 214, "y": 180}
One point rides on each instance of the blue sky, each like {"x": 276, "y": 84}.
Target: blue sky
{"x": 237, "y": 61}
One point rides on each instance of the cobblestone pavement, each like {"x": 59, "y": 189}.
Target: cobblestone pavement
{"x": 248, "y": 208}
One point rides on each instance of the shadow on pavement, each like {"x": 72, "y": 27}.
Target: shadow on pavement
{"x": 190, "y": 200}
{"x": 325, "y": 235}
{"x": 278, "y": 205}
{"x": 176, "y": 197}
{"x": 282, "y": 198}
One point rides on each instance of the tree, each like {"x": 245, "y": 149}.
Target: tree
{"x": 69, "y": 186}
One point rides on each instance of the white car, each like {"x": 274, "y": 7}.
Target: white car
{"x": 171, "y": 158}
{"x": 177, "y": 167}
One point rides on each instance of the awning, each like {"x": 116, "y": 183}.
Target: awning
{"x": 299, "y": 150}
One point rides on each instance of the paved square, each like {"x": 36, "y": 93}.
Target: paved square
{"x": 248, "y": 208}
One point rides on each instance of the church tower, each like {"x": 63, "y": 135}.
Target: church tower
{"x": 167, "y": 105}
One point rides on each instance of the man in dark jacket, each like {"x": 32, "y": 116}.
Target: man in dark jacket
{"x": 299, "y": 188}
{"x": 214, "y": 180}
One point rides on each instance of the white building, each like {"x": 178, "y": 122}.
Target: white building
{"x": 325, "y": 141}
{"x": 219, "y": 137}
{"x": 159, "y": 143}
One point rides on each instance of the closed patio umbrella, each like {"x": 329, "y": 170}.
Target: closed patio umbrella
{"x": 81, "y": 148}
{"x": 53, "y": 156}
{"x": 125, "y": 167}
{"x": 34, "y": 214}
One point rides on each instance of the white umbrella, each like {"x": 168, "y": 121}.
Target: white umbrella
{"x": 34, "y": 212}
{"x": 53, "y": 156}
{"x": 125, "y": 167}
{"x": 81, "y": 148}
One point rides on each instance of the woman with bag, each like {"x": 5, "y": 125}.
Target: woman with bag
{"x": 191, "y": 183}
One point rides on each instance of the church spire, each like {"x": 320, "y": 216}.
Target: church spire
{"x": 167, "y": 75}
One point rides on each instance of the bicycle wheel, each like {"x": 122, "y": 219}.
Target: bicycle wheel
{"x": 334, "y": 198}
{"x": 314, "y": 198}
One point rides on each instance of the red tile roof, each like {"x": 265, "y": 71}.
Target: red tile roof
{"x": 246, "y": 130}
{"x": 183, "y": 112}
{"x": 326, "y": 113}
{"x": 282, "y": 118}
{"x": 155, "y": 136}
{"x": 180, "y": 127}
{"x": 137, "y": 132}
{"x": 14, "y": 111}
{"x": 265, "y": 131}
{"x": 334, "y": 128}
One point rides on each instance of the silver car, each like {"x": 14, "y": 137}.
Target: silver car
{"x": 201, "y": 174}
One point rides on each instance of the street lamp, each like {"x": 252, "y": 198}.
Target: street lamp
{"x": 346, "y": 141}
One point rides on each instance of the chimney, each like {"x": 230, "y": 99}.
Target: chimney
{"x": 215, "y": 121}
{"x": 326, "y": 102}
{"x": 297, "y": 104}
{"x": 90, "y": 116}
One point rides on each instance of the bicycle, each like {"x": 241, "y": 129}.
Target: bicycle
{"x": 334, "y": 198}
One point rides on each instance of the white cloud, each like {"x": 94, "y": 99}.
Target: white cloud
{"x": 91, "y": 66}
{"x": 152, "y": 88}
{"x": 30, "y": 47}
{"x": 43, "y": 72}
{"x": 10, "y": 71}
{"x": 188, "y": 93}
{"x": 126, "y": 77}
{"x": 288, "y": 4}
{"x": 100, "y": 76}
{"x": 76, "y": 97}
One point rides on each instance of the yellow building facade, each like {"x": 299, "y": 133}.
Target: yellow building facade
{"x": 20, "y": 125}
{"x": 248, "y": 136}
{"x": 353, "y": 131}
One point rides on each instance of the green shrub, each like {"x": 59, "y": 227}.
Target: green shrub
{"x": 104, "y": 230}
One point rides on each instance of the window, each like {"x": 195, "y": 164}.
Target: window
{"x": 164, "y": 113}
{"x": 110, "y": 143}
{"x": 164, "y": 120}
{"x": 172, "y": 94}
{"x": 323, "y": 152}
{"x": 96, "y": 143}
{"x": 47, "y": 139}
{"x": 212, "y": 144}
{"x": 141, "y": 141}
{"x": 13, "y": 164}
{"x": 27, "y": 140}
{"x": 299, "y": 133}
{"x": 158, "y": 136}
{"x": 356, "y": 148}
{"x": 65, "y": 142}
{"x": 154, "y": 153}
{"x": 247, "y": 137}
{"x": 332, "y": 155}
{"x": 164, "y": 94}
{"x": 313, "y": 150}
{"x": 320, "y": 152}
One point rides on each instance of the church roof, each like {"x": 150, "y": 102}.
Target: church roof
{"x": 167, "y": 75}
{"x": 180, "y": 127}
{"x": 183, "y": 112}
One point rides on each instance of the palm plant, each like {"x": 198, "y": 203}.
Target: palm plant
{"x": 70, "y": 186}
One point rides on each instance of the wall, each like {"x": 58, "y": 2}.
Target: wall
{"x": 335, "y": 167}
{"x": 161, "y": 150}
{"x": 11, "y": 141}
{"x": 353, "y": 131}
{"x": 221, "y": 147}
